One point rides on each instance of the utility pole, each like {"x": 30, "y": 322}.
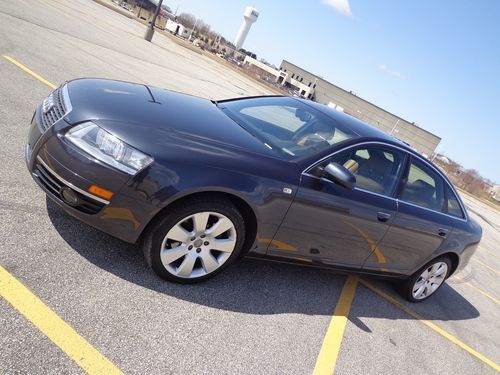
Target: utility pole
{"x": 140, "y": 8}
{"x": 192, "y": 31}
{"x": 151, "y": 28}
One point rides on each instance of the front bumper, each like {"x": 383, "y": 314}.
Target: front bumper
{"x": 54, "y": 164}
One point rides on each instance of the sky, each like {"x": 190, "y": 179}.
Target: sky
{"x": 435, "y": 63}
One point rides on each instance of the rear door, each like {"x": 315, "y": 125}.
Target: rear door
{"x": 421, "y": 225}
{"x": 330, "y": 225}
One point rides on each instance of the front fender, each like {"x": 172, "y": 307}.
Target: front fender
{"x": 265, "y": 196}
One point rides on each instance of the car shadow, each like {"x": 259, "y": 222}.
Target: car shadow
{"x": 249, "y": 286}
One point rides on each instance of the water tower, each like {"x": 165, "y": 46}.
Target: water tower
{"x": 250, "y": 16}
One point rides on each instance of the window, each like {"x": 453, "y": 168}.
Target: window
{"x": 376, "y": 168}
{"x": 454, "y": 207}
{"x": 314, "y": 86}
{"x": 293, "y": 75}
{"x": 282, "y": 116}
{"x": 286, "y": 125}
{"x": 424, "y": 187}
{"x": 301, "y": 79}
{"x": 310, "y": 83}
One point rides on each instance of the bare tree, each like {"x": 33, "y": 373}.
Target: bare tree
{"x": 469, "y": 180}
{"x": 203, "y": 28}
{"x": 186, "y": 19}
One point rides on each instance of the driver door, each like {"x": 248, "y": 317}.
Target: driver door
{"x": 328, "y": 224}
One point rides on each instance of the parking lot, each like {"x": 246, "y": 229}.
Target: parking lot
{"x": 76, "y": 300}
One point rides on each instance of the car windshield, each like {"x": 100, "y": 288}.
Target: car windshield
{"x": 287, "y": 125}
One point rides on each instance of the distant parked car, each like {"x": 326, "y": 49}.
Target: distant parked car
{"x": 232, "y": 60}
{"x": 201, "y": 183}
{"x": 199, "y": 43}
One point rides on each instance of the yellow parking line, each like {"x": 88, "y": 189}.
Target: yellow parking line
{"x": 52, "y": 326}
{"x": 477, "y": 289}
{"x": 431, "y": 325}
{"x": 485, "y": 265}
{"x": 380, "y": 257}
{"x": 29, "y": 71}
{"x": 483, "y": 292}
{"x": 327, "y": 357}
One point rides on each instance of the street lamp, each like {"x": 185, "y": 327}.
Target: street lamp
{"x": 151, "y": 29}
{"x": 192, "y": 30}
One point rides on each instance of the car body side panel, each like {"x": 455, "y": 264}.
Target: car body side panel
{"x": 331, "y": 225}
{"x": 265, "y": 196}
{"x": 412, "y": 239}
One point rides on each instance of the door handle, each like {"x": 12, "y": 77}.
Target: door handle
{"x": 443, "y": 232}
{"x": 383, "y": 216}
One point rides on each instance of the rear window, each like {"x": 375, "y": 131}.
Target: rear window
{"x": 424, "y": 187}
{"x": 454, "y": 207}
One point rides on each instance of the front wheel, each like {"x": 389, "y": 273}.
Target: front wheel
{"x": 195, "y": 240}
{"x": 427, "y": 280}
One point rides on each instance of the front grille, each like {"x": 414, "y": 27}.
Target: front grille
{"x": 53, "y": 184}
{"x": 53, "y": 108}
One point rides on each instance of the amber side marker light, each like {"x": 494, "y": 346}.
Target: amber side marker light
{"x": 100, "y": 192}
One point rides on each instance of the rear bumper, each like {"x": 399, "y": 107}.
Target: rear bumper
{"x": 54, "y": 165}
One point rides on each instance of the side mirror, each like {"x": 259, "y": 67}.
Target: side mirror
{"x": 340, "y": 175}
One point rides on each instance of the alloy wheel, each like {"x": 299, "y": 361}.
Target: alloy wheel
{"x": 430, "y": 280}
{"x": 198, "y": 245}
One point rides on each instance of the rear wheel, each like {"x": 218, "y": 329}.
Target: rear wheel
{"x": 427, "y": 280}
{"x": 195, "y": 240}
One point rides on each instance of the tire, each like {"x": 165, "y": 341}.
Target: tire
{"x": 185, "y": 245}
{"x": 410, "y": 290}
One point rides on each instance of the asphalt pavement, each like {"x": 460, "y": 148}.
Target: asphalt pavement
{"x": 256, "y": 317}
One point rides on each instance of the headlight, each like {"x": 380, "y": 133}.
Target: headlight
{"x": 107, "y": 148}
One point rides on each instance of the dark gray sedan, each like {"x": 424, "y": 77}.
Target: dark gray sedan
{"x": 200, "y": 183}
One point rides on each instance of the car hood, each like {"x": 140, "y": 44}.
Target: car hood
{"x": 151, "y": 119}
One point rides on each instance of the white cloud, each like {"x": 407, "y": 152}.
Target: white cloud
{"x": 341, "y": 6}
{"x": 393, "y": 73}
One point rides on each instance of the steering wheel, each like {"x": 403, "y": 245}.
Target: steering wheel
{"x": 303, "y": 132}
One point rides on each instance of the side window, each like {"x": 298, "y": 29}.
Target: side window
{"x": 376, "y": 168}
{"x": 424, "y": 187}
{"x": 454, "y": 207}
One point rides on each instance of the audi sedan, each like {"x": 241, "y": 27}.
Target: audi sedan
{"x": 199, "y": 184}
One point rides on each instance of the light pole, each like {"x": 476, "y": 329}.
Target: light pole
{"x": 192, "y": 31}
{"x": 140, "y": 8}
{"x": 151, "y": 29}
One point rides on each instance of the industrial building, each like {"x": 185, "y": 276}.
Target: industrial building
{"x": 313, "y": 87}
{"x": 177, "y": 28}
